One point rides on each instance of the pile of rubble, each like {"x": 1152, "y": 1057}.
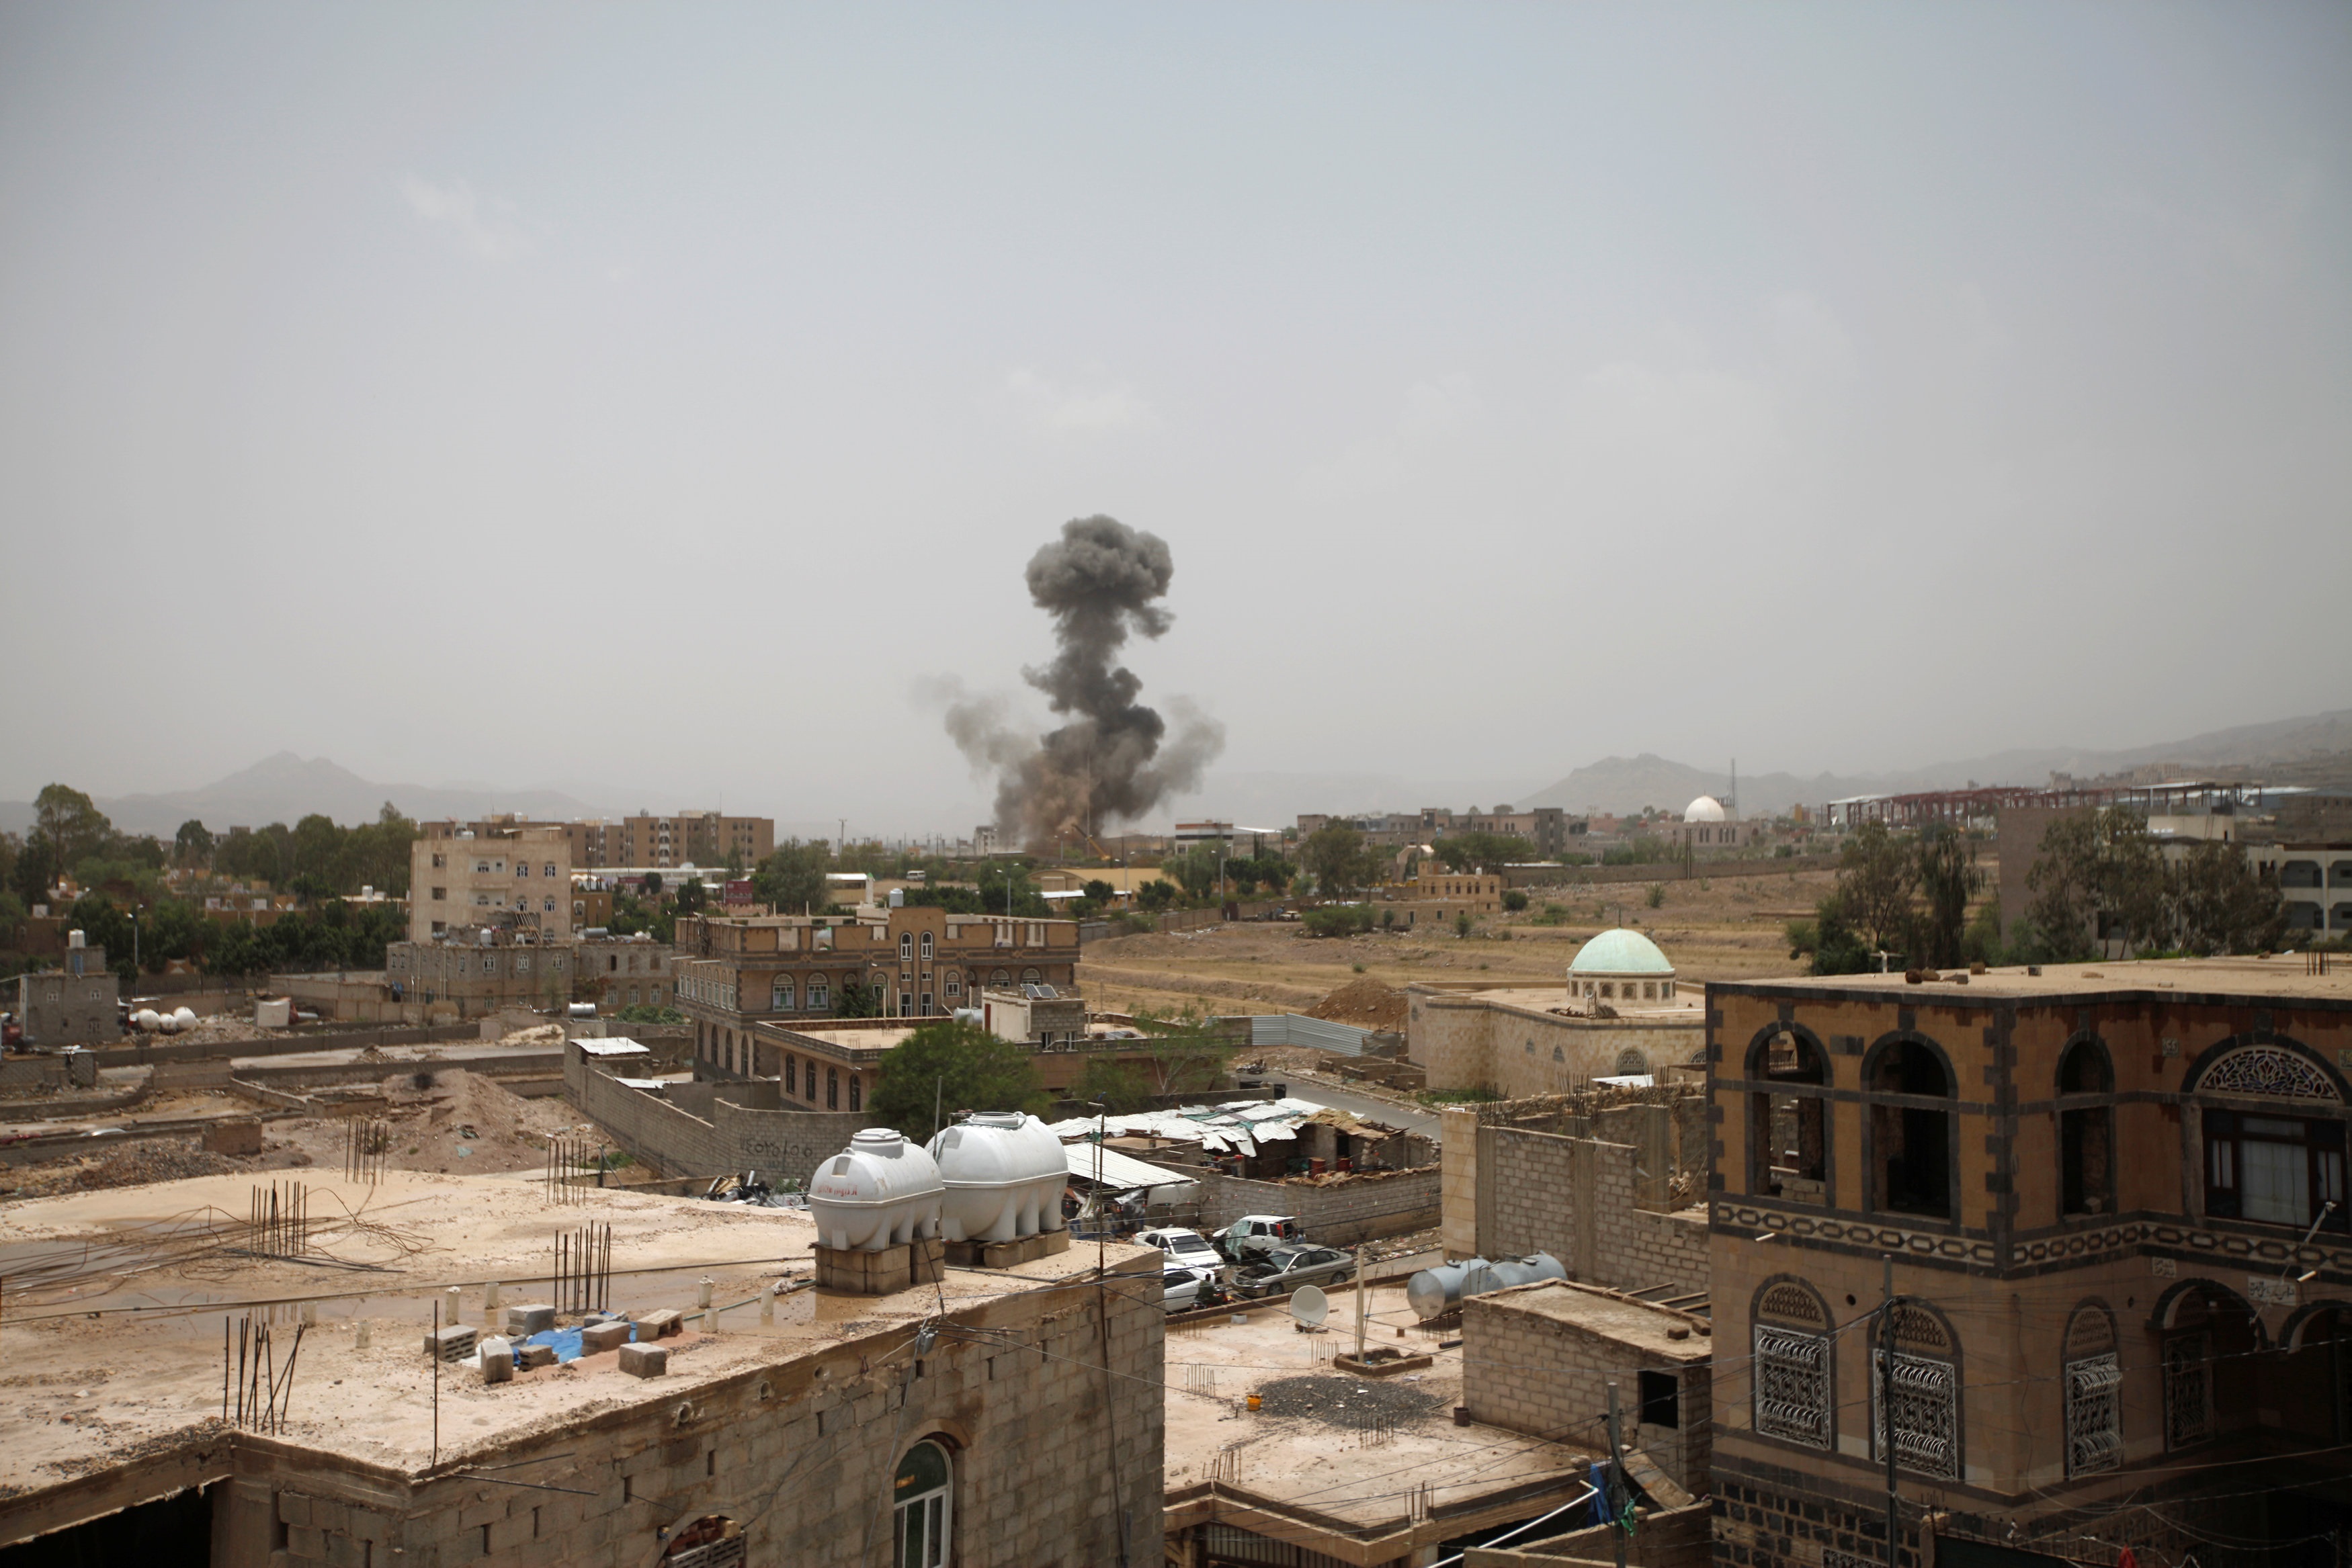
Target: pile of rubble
{"x": 1366, "y": 1004}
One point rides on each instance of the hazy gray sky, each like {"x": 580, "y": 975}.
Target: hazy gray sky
{"x": 651, "y": 401}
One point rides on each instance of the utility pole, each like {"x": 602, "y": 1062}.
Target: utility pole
{"x": 1887, "y": 1396}
{"x": 1615, "y": 1505}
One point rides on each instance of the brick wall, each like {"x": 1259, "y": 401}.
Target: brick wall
{"x": 1576, "y": 1198}
{"x": 1052, "y": 1463}
{"x": 780, "y": 1144}
{"x": 1336, "y": 1213}
{"x": 1533, "y": 1373}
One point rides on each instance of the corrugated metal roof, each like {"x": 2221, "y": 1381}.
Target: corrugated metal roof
{"x": 1124, "y": 1173}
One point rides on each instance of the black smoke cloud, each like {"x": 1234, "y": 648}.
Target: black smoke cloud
{"x": 1114, "y": 760}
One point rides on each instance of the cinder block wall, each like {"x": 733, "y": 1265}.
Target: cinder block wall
{"x": 1532, "y": 1373}
{"x": 780, "y": 1144}
{"x": 1338, "y": 1214}
{"x": 1052, "y": 1460}
{"x": 1574, "y": 1198}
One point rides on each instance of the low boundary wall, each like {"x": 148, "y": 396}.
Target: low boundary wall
{"x": 1364, "y": 1206}
{"x": 786, "y": 1147}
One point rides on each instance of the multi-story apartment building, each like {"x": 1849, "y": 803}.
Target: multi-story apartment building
{"x": 704, "y": 839}
{"x": 505, "y": 878}
{"x": 736, "y": 970}
{"x": 2110, "y": 1201}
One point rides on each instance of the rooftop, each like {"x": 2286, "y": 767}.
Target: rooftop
{"x": 2280, "y": 974}
{"x": 1613, "y": 1315}
{"x": 1622, "y": 951}
{"x": 117, "y": 1301}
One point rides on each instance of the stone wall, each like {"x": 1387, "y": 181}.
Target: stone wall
{"x": 1468, "y": 1042}
{"x": 1337, "y": 1212}
{"x": 783, "y": 1145}
{"x": 1055, "y": 1461}
{"x": 1531, "y": 1372}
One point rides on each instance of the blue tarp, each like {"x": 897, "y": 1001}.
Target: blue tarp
{"x": 565, "y": 1341}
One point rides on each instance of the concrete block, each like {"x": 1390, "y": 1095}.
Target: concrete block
{"x": 498, "y": 1360}
{"x": 645, "y": 1360}
{"x": 453, "y": 1342}
{"x": 658, "y": 1325}
{"x": 527, "y": 1318}
{"x": 597, "y": 1338}
{"x": 535, "y": 1355}
{"x": 234, "y": 1135}
{"x": 860, "y": 1274}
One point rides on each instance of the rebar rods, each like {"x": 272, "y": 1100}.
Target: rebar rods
{"x": 367, "y": 1147}
{"x": 281, "y": 1222}
{"x": 257, "y": 1394}
{"x": 566, "y": 1153}
{"x": 583, "y": 1281}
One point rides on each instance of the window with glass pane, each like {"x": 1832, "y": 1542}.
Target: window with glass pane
{"x": 919, "y": 1507}
{"x": 2277, "y": 1170}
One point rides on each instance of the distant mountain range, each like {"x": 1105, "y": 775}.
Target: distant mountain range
{"x": 286, "y": 788}
{"x": 1621, "y": 784}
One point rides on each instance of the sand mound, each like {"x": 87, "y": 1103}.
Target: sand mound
{"x": 456, "y": 1121}
{"x": 1367, "y": 1004}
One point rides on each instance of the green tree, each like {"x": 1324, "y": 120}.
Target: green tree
{"x": 950, "y": 1066}
{"x": 853, "y": 1000}
{"x": 1514, "y": 901}
{"x": 790, "y": 880}
{"x": 192, "y": 845}
{"x": 1099, "y": 891}
{"x": 1948, "y": 878}
{"x": 1120, "y": 1086}
{"x": 2097, "y": 876}
{"x": 1337, "y": 920}
{"x": 689, "y": 898}
{"x": 1830, "y": 942}
{"x": 1335, "y": 856}
{"x": 1491, "y": 851}
{"x": 1878, "y": 873}
{"x": 1156, "y": 895}
{"x": 71, "y": 822}
{"x": 1188, "y": 1055}
{"x": 2220, "y": 905}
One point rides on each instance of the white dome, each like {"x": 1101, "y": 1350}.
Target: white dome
{"x": 1706, "y": 809}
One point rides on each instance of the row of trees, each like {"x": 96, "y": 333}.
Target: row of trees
{"x": 2098, "y": 877}
{"x": 333, "y": 935}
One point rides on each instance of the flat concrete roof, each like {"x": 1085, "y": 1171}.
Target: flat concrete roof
{"x": 116, "y": 1301}
{"x": 2279, "y": 976}
{"x": 1643, "y": 1325}
{"x": 856, "y": 1039}
{"x": 1320, "y": 1463}
{"x": 1688, "y": 1005}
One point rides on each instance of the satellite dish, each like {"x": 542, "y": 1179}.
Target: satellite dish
{"x": 1309, "y": 1306}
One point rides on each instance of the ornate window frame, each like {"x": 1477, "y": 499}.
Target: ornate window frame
{"x": 1792, "y": 1385}
{"x": 1929, "y": 1439}
{"x": 2091, "y": 1379}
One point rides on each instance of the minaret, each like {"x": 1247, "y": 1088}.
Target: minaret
{"x": 1732, "y": 804}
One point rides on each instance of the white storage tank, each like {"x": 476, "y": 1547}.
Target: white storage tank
{"x": 1004, "y": 1176}
{"x": 1434, "y": 1291}
{"x": 183, "y": 1019}
{"x": 147, "y": 1020}
{"x": 879, "y": 1192}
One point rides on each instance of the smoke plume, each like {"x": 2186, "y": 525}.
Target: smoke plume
{"x": 1114, "y": 760}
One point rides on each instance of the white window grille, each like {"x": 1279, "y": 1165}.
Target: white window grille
{"x": 1792, "y": 1385}
{"x": 2095, "y": 1437}
{"x": 2267, "y": 1070}
{"x": 1926, "y": 1414}
{"x": 2188, "y": 1390}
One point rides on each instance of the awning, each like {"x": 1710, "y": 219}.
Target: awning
{"x": 1125, "y": 1173}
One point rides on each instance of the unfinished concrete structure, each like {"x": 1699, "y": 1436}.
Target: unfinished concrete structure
{"x": 987, "y": 1417}
{"x": 2113, "y": 1197}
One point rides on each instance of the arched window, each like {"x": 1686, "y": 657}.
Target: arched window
{"x": 780, "y": 994}
{"x": 856, "y": 1091}
{"x": 927, "y": 947}
{"x": 2093, "y": 1391}
{"x": 707, "y": 1543}
{"x": 1031, "y": 976}
{"x": 792, "y": 1075}
{"x": 955, "y": 984}
{"x": 2087, "y": 1133}
{"x": 833, "y": 1088}
{"x": 999, "y": 977}
{"x": 1909, "y": 1091}
{"x": 922, "y": 1513}
{"x": 906, "y": 945}
{"x": 1927, "y": 1403}
{"x": 1788, "y": 1140}
{"x": 1790, "y": 1382}
{"x": 1631, "y": 1063}
{"x": 2274, "y": 1144}
{"x": 820, "y": 994}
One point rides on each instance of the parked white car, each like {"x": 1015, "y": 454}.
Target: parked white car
{"x": 1186, "y": 1249}
{"x": 1255, "y": 1235}
{"x": 1183, "y": 1287}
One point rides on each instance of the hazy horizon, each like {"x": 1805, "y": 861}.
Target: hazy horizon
{"x": 674, "y": 398}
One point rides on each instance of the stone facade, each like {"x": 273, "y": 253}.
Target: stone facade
{"x": 78, "y": 1003}
{"x": 1054, "y": 1460}
{"x": 1513, "y": 1045}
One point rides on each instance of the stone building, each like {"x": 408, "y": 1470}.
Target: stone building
{"x": 77, "y": 1003}
{"x": 505, "y": 878}
{"x": 2113, "y": 1199}
{"x": 468, "y": 979}
{"x": 737, "y": 970}
{"x": 989, "y": 1417}
{"x": 1520, "y": 1041}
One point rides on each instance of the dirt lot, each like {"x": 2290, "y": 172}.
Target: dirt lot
{"x": 1714, "y": 929}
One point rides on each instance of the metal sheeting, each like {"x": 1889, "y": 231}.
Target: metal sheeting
{"x": 1123, "y": 1173}
{"x": 1297, "y": 1029}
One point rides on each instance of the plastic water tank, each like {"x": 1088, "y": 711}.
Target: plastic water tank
{"x": 147, "y": 1020}
{"x": 879, "y": 1192}
{"x": 1435, "y": 1291}
{"x": 1004, "y": 1176}
{"x": 183, "y": 1019}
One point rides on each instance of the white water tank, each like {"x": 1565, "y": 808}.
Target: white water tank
{"x": 879, "y": 1192}
{"x": 1005, "y": 1174}
{"x": 147, "y": 1020}
{"x": 183, "y": 1019}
